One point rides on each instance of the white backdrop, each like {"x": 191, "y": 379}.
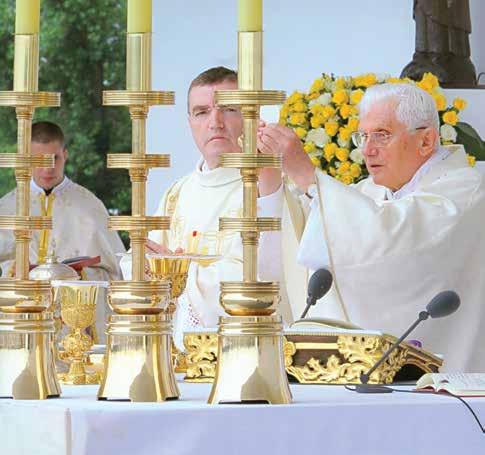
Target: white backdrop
{"x": 302, "y": 40}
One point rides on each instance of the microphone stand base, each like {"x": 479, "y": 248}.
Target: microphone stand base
{"x": 370, "y": 388}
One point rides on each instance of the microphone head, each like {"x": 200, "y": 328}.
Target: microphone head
{"x": 319, "y": 284}
{"x": 443, "y": 304}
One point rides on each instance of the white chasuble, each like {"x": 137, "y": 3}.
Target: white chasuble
{"x": 195, "y": 203}
{"x": 389, "y": 258}
{"x": 79, "y": 228}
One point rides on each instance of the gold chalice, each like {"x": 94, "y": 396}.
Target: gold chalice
{"x": 174, "y": 268}
{"x": 78, "y": 311}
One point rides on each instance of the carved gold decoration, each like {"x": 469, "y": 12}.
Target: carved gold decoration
{"x": 201, "y": 356}
{"x": 323, "y": 357}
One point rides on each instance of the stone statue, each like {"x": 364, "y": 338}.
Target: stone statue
{"x": 442, "y": 42}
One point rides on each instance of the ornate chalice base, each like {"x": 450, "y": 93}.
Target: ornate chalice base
{"x": 250, "y": 365}
{"x": 138, "y": 364}
{"x": 78, "y": 311}
{"x": 27, "y": 370}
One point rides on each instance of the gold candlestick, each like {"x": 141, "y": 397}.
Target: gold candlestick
{"x": 26, "y": 328}
{"x": 138, "y": 361}
{"x": 250, "y": 354}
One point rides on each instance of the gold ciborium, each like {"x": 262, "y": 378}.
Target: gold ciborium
{"x": 78, "y": 311}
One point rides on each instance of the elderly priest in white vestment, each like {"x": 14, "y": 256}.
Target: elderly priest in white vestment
{"x": 412, "y": 229}
{"x": 197, "y": 201}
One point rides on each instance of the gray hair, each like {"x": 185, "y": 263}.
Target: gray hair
{"x": 415, "y": 107}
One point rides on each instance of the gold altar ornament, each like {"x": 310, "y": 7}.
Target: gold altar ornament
{"x": 322, "y": 356}
{"x": 250, "y": 364}
{"x": 78, "y": 311}
{"x": 138, "y": 364}
{"x": 26, "y": 327}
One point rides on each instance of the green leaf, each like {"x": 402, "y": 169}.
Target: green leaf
{"x": 471, "y": 140}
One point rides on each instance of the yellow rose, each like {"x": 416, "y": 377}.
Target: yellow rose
{"x": 340, "y": 97}
{"x": 329, "y": 151}
{"x": 343, "y": 168}
{"x": 355, "y": 170}
{"x": 356, "y": 96}
{"x": 315, "y": 161}
{"x": 297, "y": 119}
{"x": 301, "y": 132}
{"x": 328, "y": 111}
{"x": 459, "y": 103}
{"x": 353, "y": 124}
{"x": 312, "y": 96}
{"x": 332, "y": 171}
{"x": 471, "y": 160}
{"x": 340, "y": 83}
{"x": 347, "y": 179}
{"x": 425, "y": 85}
{"x": 450, "y": 117}
{"x": 317, "y": 121}
{"x": 331, "y": 128}
{"x": 431, "y": 80}
{"x": 317, "y": 109}
{"x": 365, "y": 80}
{"x": 440, "y": 101}
{"x": 300, "y": 106}
{"x": 342, "y": 154}
{"x": 394, "y": 80}
{"x": 317, "y": 85}
{"x": 294, "y": 97}
{"x": 309, "y": 147}
{"x": 345, "y": 133}
{"x": 346, "y": 111}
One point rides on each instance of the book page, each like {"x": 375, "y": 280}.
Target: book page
{"x": 456, "y": 383}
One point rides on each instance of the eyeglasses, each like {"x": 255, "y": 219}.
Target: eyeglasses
{"x": 378, "y": 138}
{"x": 203, "y": 113}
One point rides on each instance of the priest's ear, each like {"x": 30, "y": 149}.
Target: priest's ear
{"x": 428, "y": 141}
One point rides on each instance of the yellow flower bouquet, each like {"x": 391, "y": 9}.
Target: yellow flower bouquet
{"x": 325, "y": 118}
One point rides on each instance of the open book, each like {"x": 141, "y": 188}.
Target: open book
{"x": 461, "y": 384}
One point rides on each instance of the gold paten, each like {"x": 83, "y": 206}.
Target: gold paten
{"x": 251, "y": 365}
{"x": 323, "y": 357}
{"x": 26, "y": 328}
{"x": 78, "y": 311}
{"x": 138, "y": 365}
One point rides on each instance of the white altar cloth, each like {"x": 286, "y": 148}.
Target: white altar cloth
{"x": 322, "y": 419}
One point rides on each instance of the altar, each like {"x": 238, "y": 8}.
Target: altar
{"x": 322, "y": 419}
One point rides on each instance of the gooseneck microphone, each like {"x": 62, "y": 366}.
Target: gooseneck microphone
{"x": 441, "y": 305}
{"x": 319, "y": 284}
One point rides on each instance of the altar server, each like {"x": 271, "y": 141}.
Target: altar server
{"x": 79, "y": 218}
{"x": 412, "y": 229}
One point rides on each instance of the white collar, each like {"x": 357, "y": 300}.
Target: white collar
{"x": 218, "y": 176}
{"x": 56, "y": 190}
{"x": 411, "y": 186}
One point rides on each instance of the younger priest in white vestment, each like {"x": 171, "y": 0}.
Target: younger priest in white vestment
{"x": 197, "y": 201}
{"x": 412, "y": 229}
{"x": 79, "y": 218}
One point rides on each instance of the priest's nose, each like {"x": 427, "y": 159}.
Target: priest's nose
{"x": 216, "y": 119}
{"x": 369, "y": 149}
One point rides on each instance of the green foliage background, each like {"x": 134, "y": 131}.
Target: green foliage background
{"x": 82, "y": 53}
